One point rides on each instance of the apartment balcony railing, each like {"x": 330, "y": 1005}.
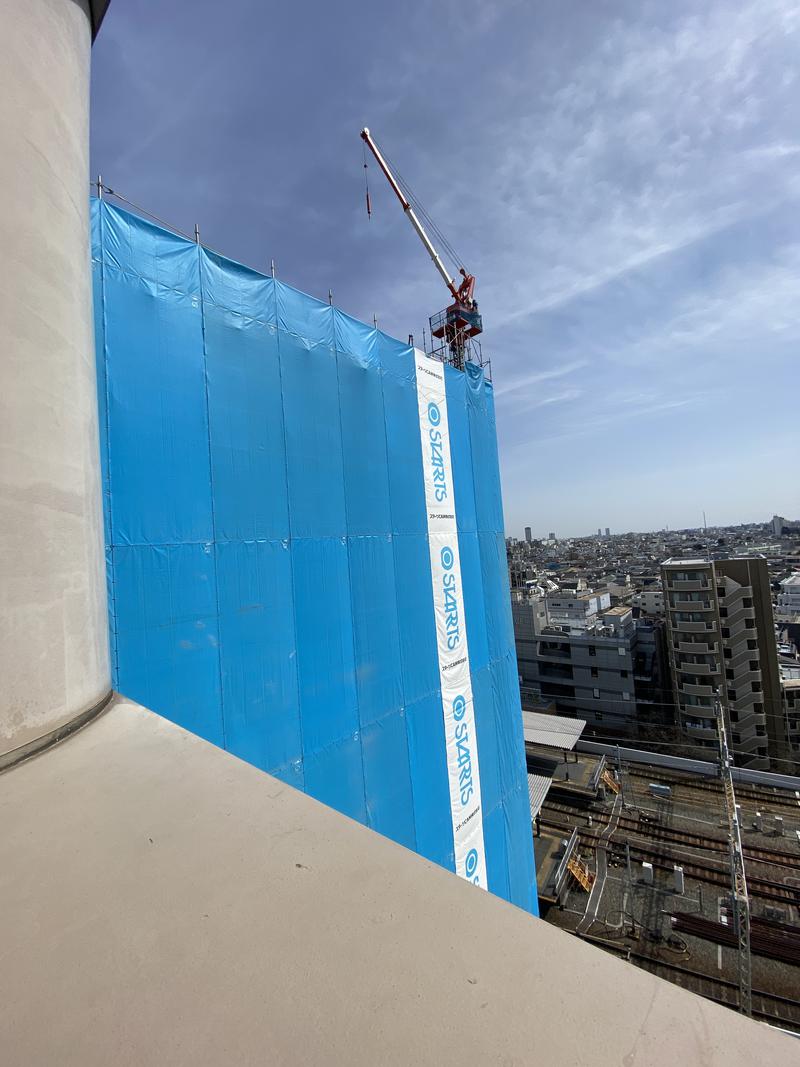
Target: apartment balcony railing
{"x": 746, "y": 678}
{"x": 697, "y": 730}
{"x": 691, "y": 689}
{"x": 697, "y": 648}
{"x": 692, "y": 627}
{"x": 692, "y": 605}
{"x": 694, "y": 585}
{"x": 696, "y": 668}
{"x": 689, "y": 712}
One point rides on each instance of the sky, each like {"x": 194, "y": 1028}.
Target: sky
{"x": 622, "y": 177}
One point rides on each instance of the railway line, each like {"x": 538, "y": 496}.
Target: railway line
{"x": 665, "y": 859}
{"x": 705, "y": 842}
{"x": 757, "y": 795}
{"x": 769, "y": 1007}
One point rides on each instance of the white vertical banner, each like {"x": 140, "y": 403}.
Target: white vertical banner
{"x": 451, "y": 634}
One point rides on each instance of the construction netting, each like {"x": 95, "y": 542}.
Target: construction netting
{"x": 305, "y": 548}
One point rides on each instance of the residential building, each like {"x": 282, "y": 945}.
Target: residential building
{"x": 787, "y": 605}
{"x": 790, "y": 700}
{"x": 650, "y": 601}
{"x": 528, "y": 537}
{"x": 578, "y": 651}
{"x": 722, "y": 646}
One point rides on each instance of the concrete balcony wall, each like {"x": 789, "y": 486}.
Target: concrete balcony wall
{"x": 215, "y": 915}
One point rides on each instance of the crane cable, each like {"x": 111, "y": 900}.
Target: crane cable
{"x": 366, "y": 184}
{"x": 418, "y": 207}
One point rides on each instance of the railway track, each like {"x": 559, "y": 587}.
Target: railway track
{"x": 664, "y": 859}
{"x": 708, "y": 843}
{"x": 753, "y": 794}
{"x": 769, "y": 1007}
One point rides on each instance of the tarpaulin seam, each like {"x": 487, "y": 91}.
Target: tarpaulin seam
{"x": 211, "y": 494}
{"x": 114, "y": 644}
{"x": 290, "y": 540}
{"x": 396, "y": 599}
{"x": 335, "y": 354}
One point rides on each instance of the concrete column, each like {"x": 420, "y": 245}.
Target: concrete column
{"x": 54, "y": 662}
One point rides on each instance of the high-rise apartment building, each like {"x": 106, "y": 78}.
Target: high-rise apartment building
{"x": 528, "y": 537}
{"x": 722, "y": 645}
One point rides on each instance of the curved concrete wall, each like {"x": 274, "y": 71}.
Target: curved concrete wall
{"x": 53, "y": 627}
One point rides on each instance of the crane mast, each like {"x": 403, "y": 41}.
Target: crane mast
{"x": 459, "y": 323}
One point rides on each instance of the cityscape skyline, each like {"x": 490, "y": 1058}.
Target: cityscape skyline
{"x": 615, "y": 532}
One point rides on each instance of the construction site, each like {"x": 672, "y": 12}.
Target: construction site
{"x": 265, "y": 795}
{"x": 638, "y": 858}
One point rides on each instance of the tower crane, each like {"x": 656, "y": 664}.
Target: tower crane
{"x": 460, "y": 322}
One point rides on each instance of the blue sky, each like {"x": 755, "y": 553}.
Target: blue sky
{"x": 622, "y": 177}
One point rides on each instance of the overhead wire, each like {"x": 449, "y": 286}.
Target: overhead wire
{"x": 420, "y": 209}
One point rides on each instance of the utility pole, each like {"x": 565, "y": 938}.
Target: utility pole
{"x": 741, "y": 901}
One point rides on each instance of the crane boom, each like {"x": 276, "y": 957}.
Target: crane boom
{"x": 410, "y": 213}
{"x": 460, "y": 323}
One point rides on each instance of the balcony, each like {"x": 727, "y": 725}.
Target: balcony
{"x": 710, "y": 714}
{"x": 706, "y": 732}
{"x": 746, "y": 678}
{"x": 696, "y": 648}
{"x": 684, "y": 585}
{"x": 697, "y": 668}
{"x": 691, "y": 605}
{"x": 690, "y": 689}
{"x": 691, "y": 627}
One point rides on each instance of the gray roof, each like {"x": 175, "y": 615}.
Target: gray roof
{"x": 554, "y": 731}
{"x": 538, "y": 787}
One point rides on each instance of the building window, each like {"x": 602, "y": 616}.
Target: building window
{"x": 750, "y": 624}
{"x": 623, "y": 674}
{"x": 731, "y": 694}
{"x": 596, "y": 694}
{"x": 756, "y": 686}
{"x": 752, "y": 646}
{"x": 725, "y": 633}
{"x": 758, "y": 709}
{"x": 748, "y": 602}
{"x": 626, "y": 696}
{"x": 594, "y": 672}
{"x": 592, "y": 650}
{"x": 753, "y": 664}
{"x": 729, "y": 674}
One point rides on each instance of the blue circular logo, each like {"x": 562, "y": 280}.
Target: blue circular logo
{"x": 472, "y": 862}
{"x": 459, "y": 708}
{"x": 434, "y": 415}
{"x": 447, "y": 557}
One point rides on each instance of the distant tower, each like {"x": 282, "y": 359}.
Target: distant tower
{"x": 608, "y": 531}
{"x": 599, "y": 532}
{"x": 528, "y": 537}
{"x": 551, "y": 536}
